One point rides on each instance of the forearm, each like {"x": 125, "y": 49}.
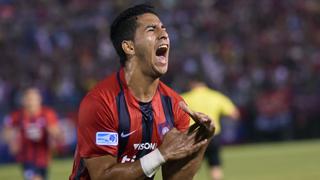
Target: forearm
{"x": 107, "y": 168}
{"x": 101, "y": 170}
{"x": 123, "y": 171}
{"x": 10, "y": 137}
{"x": 185, "y": 168}
{"x": 55, "y": 133}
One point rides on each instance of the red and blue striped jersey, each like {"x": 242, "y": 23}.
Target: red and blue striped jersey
{"x": 31, "y": 151}
{"x": 111, "y": 121}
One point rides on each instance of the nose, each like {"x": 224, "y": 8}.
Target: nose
{"x": 163, "y": 35}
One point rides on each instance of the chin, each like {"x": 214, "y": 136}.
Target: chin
{"x": 160, "y": 71}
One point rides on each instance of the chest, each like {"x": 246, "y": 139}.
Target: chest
{"x": 141, "y": 128}
{"x": 33, "y": 128}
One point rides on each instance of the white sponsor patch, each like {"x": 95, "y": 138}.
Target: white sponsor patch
{"x": 107, "y": 138}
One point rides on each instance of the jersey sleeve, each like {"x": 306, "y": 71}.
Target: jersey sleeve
{"x": 182, "y": 119}
{"x": 97, "y": 133}
{"x": 52, "y": 118}
{"x": 11, "y": 120}
{"x": 227, "y": 107}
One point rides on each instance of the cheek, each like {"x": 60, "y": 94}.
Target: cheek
{"x": 149, "y": 39}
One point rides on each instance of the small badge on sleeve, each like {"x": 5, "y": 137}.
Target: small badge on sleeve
{"x": 107, "y": 138}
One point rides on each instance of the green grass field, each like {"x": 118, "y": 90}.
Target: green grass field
{"x": 277, "y": 161}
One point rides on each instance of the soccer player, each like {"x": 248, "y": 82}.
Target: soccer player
{"x": 216, "y": 105}
{"x": 29, "y": 132}
{"x": 131, "y": 123}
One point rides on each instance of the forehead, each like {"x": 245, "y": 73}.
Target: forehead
{"x": 148, "y": 18}
{"x": 32, "y": 93}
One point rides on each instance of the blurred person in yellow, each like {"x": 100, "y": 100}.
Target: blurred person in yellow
{"x": 216, "y": 105}
{"x": 30, "y": 132}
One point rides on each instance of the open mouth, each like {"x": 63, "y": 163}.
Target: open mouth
{"x": 162, "y": 50}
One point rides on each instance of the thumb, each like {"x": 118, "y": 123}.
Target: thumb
{"x": 186, "y": 109}
{"x": 190, "y": 112}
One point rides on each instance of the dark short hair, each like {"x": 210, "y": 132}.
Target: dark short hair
{"x": 124, "y": 27}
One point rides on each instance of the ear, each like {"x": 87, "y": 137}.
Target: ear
{"x": 128, "y": 47}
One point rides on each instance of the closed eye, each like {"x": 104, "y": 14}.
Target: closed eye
{"x": 151, "y": 28}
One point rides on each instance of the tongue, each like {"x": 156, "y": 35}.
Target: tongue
{"x": 161, "y": 59}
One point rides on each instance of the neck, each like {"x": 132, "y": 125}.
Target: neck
{"x": 142, "y": 86}
{"x": 198, "y": 85}
{"x": 33, "y": 111}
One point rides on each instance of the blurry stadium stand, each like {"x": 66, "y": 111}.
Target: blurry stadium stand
{"x": 251, "y": 51}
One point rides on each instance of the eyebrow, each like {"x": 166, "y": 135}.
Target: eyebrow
{"x": 150, "y": 26}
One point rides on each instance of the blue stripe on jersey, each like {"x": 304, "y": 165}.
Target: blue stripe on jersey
{"x": 124, "y": 119}
{"x": 167, "y": 108}
{"x": 147, "y": 126}
{"x": 80, "y": 170}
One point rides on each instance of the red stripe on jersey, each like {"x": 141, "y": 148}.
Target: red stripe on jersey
{"x": 100, "y": 111}
{"x": 34, "y": 152}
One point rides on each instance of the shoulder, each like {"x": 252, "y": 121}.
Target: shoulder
{"x": 167, "y": 91}
{"x": 212, "y": 93}
{"x": 13, "y": 117}
{"x": 100, "y": 103}
{"x": 218, "y": 94}
{"x": 48, "y": 110}
{"x": 103, "y": 92}
{"x": 15, "y": 114}
{"x": 187, "y": 94}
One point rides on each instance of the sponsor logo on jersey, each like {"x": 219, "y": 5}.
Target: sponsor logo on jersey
{"x": 107, "y": 138}
{"x": 128, "y": 159}
{"x": 146, "y": 146}
{"x": 123, "y": 135}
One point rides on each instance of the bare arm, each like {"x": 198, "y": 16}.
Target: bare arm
{"x": 55, "y": 133}
{"x": 176, "y": 145}
{"x": 187, "y": 167}
{"x": 106, "y": 167}
{"x": 11, "y": 137}
{"x": 235, "y": 115}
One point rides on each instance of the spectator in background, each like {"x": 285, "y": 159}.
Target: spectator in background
{"x": 216, "y": 105}
{"x": 63, "y": 47}
{"x": 29, "y": 132}
{"x": 274, "y": 117}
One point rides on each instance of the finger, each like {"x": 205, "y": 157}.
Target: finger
{"x": 198, "y": 117}
{"x": 192, "y": 128}
{"x": 186, "y": 109}
{"x": 192, "y": 136}
{"x": 198, "y": 145}
{"x": 203, "y": 118}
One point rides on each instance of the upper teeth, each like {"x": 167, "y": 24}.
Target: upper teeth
{"x": 163, "y": 46}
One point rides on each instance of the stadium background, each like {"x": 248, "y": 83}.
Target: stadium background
{"x": 263, "y": 54}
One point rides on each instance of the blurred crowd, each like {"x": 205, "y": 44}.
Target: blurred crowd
{"x": 264, "y": 55}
